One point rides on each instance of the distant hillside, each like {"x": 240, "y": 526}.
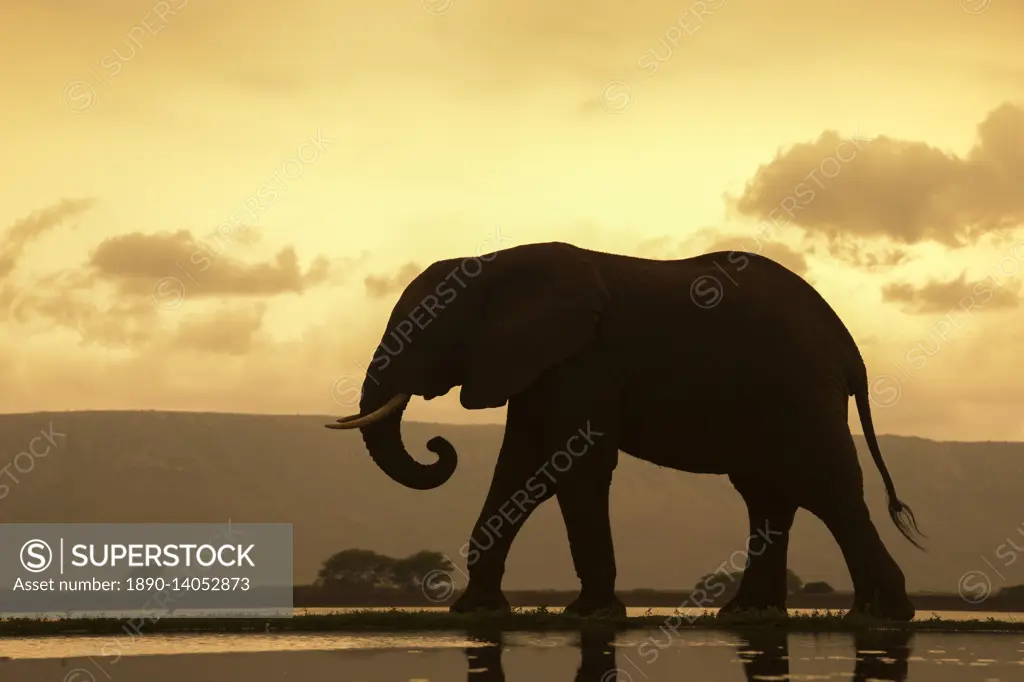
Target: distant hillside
{"x": 670, "y": 527}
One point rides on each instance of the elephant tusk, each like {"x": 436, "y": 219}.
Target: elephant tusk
{"x": 356, "y": 421}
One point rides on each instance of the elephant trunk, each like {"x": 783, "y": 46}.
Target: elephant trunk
{"x": 381, "y": 429}
{"x": 383, "y": 439}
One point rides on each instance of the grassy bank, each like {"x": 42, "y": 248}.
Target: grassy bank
{"x": 537, "y": 620}
{"x": 308, "y": 596}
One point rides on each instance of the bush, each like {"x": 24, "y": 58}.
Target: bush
{"x": 819, "y": 587}
{"x": 723, "y": 586}
{"x": 362, "y": 570}
{"x": 1015, "y": 591}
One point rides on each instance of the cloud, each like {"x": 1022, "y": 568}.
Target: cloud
{"x": 229, "y": 332}
{"x": 108, "y": 300}
{"x": 902, "y": 191}
{"x": 14, "y": 240}
{"x": 942, "y": 296}
{"x": 859, "y": 256}
{"x": 135, "y": 262}
{"x": 128, "y": 322}
{"x": 60, "y": 301}
{"x": 380, "y": 286}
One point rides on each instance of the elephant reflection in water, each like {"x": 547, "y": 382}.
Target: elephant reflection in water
{"x": 485, "y": 661}
{"x": 881, "y": 655}
{"x": 765, "y": 655}
{"x": 597, "y": 660}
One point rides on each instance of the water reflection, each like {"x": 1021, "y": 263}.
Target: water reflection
{"x": 597, "y": 656}
{"x": 765, "y": 655}
{"x": 485, "y": 661}
{"x": 597, "y": 660}
{"x": 880, "y": 655}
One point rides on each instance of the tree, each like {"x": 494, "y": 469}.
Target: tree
{"x": 719, "y": 586}
{"x": 723, "y": 586}
{"x": 357, "y": 568}
{"x": 1012, "y": 591}
{"x": 818, "y": 587}
{"x": 363, "y": 570}
{"x": 410, "y": 571}
{"x": 144, "y": 572}
{"x": 793, "y": 582}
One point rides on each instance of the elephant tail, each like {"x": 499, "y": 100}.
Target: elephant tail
{"x": 900, "y": 513}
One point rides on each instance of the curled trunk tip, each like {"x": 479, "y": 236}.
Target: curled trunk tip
{"x": 383, "y": 439}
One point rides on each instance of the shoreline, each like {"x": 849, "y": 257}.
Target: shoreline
{"x": 537, "y": 620}
{"x": 310, "y": 597}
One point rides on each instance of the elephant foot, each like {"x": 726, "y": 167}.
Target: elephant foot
{"x": 587, "y": 606}
{"x": 897, "y": 609}
{"x": 480, "y": 601}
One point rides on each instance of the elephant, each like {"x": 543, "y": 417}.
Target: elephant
{"x": 598, "y": 353}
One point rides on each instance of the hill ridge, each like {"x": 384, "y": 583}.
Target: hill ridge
{"x": 140, "y": 465}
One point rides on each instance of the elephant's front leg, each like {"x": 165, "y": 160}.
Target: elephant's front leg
{"x": 770, "y": 512}
{"x": 582, "y": 438}
{"x": 516, "y": 490}
{"x": 584, "y": 455}
{"x": 584, "y": 503}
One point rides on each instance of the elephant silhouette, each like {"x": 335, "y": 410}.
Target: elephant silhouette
{"x": 597, "y": 353}
{"x": 880, "y": 654}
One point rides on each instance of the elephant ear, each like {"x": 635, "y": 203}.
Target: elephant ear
{"x": 542, "y": 305}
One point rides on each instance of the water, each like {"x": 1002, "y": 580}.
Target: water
{"x": 633, "y": 656}
{"x": 632, "y": 611}
{"x": 646, "y": 655}
{"x": 637, "y": 611}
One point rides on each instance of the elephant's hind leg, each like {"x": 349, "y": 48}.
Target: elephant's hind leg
{"x": 838, "y": 500}
{"x": 771, "y": 512}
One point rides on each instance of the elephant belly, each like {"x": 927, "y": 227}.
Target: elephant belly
{"x": 702, "y": 438}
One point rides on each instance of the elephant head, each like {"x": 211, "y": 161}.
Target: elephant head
{"x": 491, "y": 324}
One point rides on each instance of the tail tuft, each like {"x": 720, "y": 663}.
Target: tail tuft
{"x": 903, "y": 516}
{"x": 900, "y": 513}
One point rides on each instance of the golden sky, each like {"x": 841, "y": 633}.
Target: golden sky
{"x": 341, "y": 146}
